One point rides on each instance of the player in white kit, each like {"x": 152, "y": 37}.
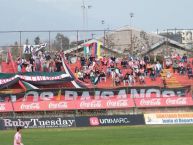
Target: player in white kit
{"x": 17, "y": 137}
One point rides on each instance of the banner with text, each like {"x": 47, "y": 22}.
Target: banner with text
{"x": 95, "y": 104}
{"x": 66, "y": 94}
{"x": 115, "y": 120}
{"x": 53, "y": 122}
{"x": 169, "y": 118}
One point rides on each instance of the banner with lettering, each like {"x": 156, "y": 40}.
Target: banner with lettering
{"x": 95, "y": 104}
{"x": 36, "y": 122}
{"x": 7, "y": 80}
{"x": 28, "y": 49}
{"x": 169, "y": 118}
{"x": 66, "y": 94}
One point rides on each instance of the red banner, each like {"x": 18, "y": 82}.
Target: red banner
{"x": 96, "y": 104}
{"x": 71, "y": 105}
{"x": 164, "y": 102}
{"x": 6, "y": 107}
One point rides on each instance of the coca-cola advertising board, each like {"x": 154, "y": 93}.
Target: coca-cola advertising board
{"x": 71, "y": 105}
{"x": 6, "y": 107}
{"x": 164, "y": 102}
{"x": 169, "y": 118}
{"x": 95, "y": 104}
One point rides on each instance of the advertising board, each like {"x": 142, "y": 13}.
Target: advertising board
{"x": 169, "y": 118}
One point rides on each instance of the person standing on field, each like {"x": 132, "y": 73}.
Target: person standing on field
{"x": 17, "y": 137}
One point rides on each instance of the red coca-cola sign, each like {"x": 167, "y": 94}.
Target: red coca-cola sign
{"x": 30, "y": 106}
{"x": 93, "y": 104}
{"x": 176, "y": 101}
{"x": 57, "y": 105}
{"x": 96, "y": 104}
{"x": 164, "y": 102}
{"x": 6, "y": 107}
{"x": 117, "y": 103}
{"x": 150, "y": 102}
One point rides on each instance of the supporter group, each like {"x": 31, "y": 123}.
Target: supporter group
{"x": 120, "y": 70}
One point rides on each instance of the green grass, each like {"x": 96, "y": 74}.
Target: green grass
{"x": 135, "y": 135}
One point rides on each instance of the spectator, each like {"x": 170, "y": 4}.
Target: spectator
{"x": 184, "y": 58}
{"x": 117, "y": 80}
{"x": 175, "y": 66}
{"x": 153, "y": 75}
{"x": 29, "y": 68}
{"x": 190, "y": 73}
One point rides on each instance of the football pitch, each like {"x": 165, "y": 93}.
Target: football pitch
{"x": 127, "y": 135}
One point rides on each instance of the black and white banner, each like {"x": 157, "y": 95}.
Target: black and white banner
{"x": 64, "y": 122}
{"x": 115, "y": 120}
{"x": 28, "y": 49}
{"x": 53, "y": 122}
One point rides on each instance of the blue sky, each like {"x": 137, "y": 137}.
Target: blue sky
{"x": 67, "y": 14}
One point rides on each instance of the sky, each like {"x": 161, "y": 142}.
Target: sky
{"x": 149, "y": 15}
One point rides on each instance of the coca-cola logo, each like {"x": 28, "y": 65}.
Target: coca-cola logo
{"x": 151, "y": 102}
{"x": 91, "y": 104}
{"x": 2, "y": 107}
{"x": 178, "y": 101}
{"x": 32, "y": 106}
{"x": 117, "y": 103}
{"x": 60, "y": 105}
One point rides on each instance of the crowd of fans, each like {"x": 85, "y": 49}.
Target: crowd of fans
{"x": 40, "y": 62}
{"x": 182, "y": 66}
{"x": 129, "y": 70}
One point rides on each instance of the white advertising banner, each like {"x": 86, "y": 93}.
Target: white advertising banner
{"x": 169, "y": 118}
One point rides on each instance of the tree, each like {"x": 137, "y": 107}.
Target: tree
{"x": 37, "y": 40}
{"x": 61, "y": 42}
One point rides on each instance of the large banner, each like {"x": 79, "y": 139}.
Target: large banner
{"x": 53, "y": 122}
{"x": 94, "y": 104}
{"x": 70, "y": 99}
{"x": 45, "y": 78}
{"x": 64, "y": 122}
{"x": 115, "y": 120}
{"x": 65, "y": 105}
{"x": 169, "y": 118}
{"x": 97, "y": 94}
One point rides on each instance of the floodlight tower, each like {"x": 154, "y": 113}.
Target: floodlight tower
{"x": 131, "y": 17}
{"x": 85, "y": 17}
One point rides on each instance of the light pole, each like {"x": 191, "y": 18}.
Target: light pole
{"x": 131, "y": 17}
{"x": 85, "y": 17}
{"x": 103, "y": 23}
{"x": 93, "y": 35}
{"x": 61, "y": 43}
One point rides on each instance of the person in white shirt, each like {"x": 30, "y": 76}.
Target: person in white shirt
{"x": 17, "y": 137}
